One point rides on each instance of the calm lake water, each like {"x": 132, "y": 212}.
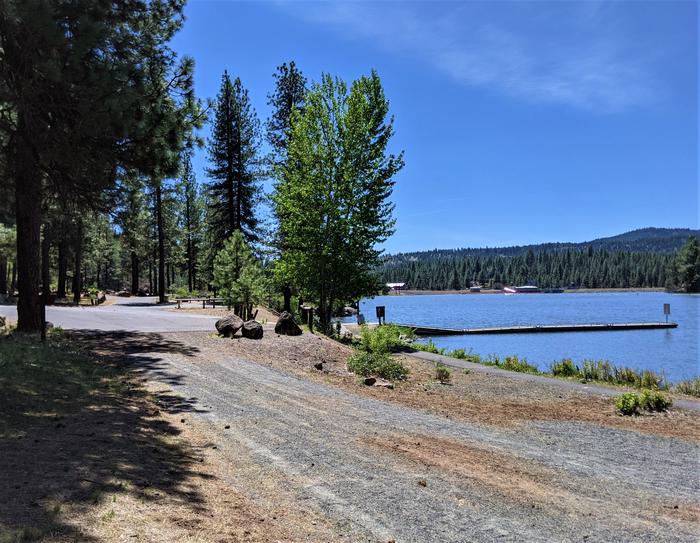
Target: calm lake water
{"x": 673, "y": 352}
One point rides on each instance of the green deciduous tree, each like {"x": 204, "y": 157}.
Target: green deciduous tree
{"x": 332, "y": 193}
{"x": 239, "y": 276}
{"x": 286, "y": 100}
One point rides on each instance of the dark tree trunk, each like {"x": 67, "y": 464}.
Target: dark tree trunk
{"x": 161, "y": 246}
{"x": 134, "y": 273}
{"x": 28, "y": 216}
{"x": 77, "y": 273}
{"x": 3, "y": 275}
{"x": 287, "y": 293}
{"x": 13, "y": 275}
{"x": 62, "y": 268}
{"x": 46, "y": 264}
{"x": 190, "y": 264}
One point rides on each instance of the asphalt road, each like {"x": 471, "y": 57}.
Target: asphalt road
{"x": 129, "y": 314}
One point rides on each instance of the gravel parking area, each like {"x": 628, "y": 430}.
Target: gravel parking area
{"x": 427, "y": 462}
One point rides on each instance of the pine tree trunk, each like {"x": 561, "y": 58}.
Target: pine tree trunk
{"x": 28, "y": 216}
{"x": 46, "y": 264}
{"x": 190, "y": 274}
{"x": 161, "y": 246}
{"x": 287, "y": 293}
{"x": 3, "y": 274}
{"x": 13, "y": 275}
{"x": 134, "y": 273}
{"x": 62, "y": 268}
{"x": 77, "y": 270}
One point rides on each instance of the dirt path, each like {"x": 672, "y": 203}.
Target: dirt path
{"x": 378, "y": 470}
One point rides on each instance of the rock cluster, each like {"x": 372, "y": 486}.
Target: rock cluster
{"x": 230, "y": 324}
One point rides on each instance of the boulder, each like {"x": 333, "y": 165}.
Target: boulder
{"x": 2, "y": 322}
{"x": 286, "y": 325}
{"x": 230, "y": 324}
{"x": 252, "y": 330}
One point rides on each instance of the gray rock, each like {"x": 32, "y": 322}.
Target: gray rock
{"x": 252, "y": 330}
{"x": 286, "y": 325}
{"x": 230, "y": 324}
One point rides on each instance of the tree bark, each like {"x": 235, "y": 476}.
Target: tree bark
{"x": 3, "y": 274}
{"x": 46, "y": 264}
{"x": 28, "y": 216}
{"x": 134, "y": 273}
{"x": 13, "y": 275}
{"x": 287, "y": 293}
{"x": 77, "y": 273}
{"x": 62, "y": 268}
{"x": 161, "y": 246}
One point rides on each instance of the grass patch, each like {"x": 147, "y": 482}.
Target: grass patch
{"x": 511, "y": 363}
{"x": 691, "y": 387}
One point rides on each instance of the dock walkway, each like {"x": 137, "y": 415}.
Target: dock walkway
{"x": 421, "y": 330}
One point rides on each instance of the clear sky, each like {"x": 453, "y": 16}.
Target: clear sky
{"x": 521, "y": 122}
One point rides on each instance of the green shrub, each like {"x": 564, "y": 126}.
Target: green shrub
{"x": 383, "y": 339}
{"x": 380, "y": 364}
{"x": 428, "y": 347}
{"x": 653, "y": 380}
{"x": 691, "y": 387}
{"x": 628, "y": 403}
{"x": 652, "y": 400}
{"x": 597, "y": 370}
{"x": 443, "y": 373}
{"x": 513, "y": 363}
{"x": 461, "y": 354}
{"x": 626, "y": 376}
{"x": 565, "y": 368}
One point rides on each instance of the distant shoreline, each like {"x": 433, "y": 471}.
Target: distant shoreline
{"x": 494, "y": 291}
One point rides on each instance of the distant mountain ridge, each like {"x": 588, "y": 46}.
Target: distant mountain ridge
{"x": 642, "y": 240}
{"x": 640, "y": 258}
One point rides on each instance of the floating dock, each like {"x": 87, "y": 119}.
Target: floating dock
{"x": 420, "y": 330}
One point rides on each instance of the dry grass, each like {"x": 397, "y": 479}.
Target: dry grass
{"x": 88, "y": 454}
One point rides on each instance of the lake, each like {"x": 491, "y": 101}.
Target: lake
{"x": 674, "y": 352}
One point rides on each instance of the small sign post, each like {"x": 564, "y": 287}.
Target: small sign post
{"x": 381, "y": 314}
{"x": 667, "y": 310}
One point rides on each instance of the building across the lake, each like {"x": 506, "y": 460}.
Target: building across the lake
{"x": 397, "y": 286}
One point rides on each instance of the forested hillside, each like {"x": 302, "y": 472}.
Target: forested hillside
{"x": 640, "y": 258}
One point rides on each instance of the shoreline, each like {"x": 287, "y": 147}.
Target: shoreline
{"x": 412, "y": 292}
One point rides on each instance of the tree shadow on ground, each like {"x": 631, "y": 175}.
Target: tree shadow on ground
{"x": 75, "y": 424}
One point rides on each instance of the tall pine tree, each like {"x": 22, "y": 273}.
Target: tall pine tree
{"x": 235, "y": 166}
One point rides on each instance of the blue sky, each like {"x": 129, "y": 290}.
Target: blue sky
{"x": 521, "y": 122}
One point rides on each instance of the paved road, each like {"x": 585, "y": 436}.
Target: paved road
{"x": 129, "y": 314}
{"x": 401, "y": 474}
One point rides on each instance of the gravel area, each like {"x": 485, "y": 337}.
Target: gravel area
{"x": 390, "y": 465}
